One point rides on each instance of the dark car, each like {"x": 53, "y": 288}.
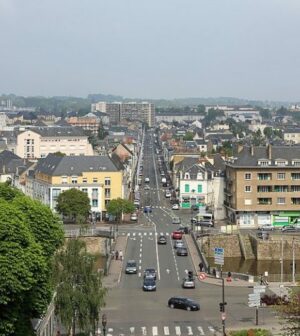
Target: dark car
{"x": 162, "y": 240}
{"x": 150, "y": 273}
{"x": 291, "y": 228}
{"x": 182, "y": 251}
{"x": 147, "y": 209}
{"x": 149, "y": 285}
{"x": 184, "y": 229}
{"x": 195, "y": 207}
{"x": 183, "y": 303}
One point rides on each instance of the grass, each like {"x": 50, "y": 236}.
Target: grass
{"x": 250, "y": 332}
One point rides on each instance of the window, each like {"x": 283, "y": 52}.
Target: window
{"x": 296, "y": 163}
{"x": 264, "y": 189}
{"x": 247, "y": 188}
{"x": 55, "y": 193}
{"x": 263, "y": 162}
{"x": 84, "y": 180}
{"x": 264, "y": 201}
{"x": 295, "y": 200}
{"x": 281, "y": 188}
{"x": 248, "y": 176}
{"x": 107, "y": 181}
{"x": 106, "y": 202}
{"x": 295, "y": 188}
{"x": 94, "y": 193}
{"x": 186, "y": 188}
{"x": 64, "y": 179}
{"x": 107, "y": 192}
{"x": 280, "y": 200}
{"x": 84, "y": 190}
{"x": 295, "y": 176}
{"x": 280, "y": 176}
{"x": 74, "y": 180}
{"x": 95, "y": 180}
{"x": 280, "y": 163}
{"x": 199, "y": 188}
{"x": 187, "y": 176}
{"x": 264, "y": 176}
{"x": 94, "y": 203}
{"x": 248, "y": 202}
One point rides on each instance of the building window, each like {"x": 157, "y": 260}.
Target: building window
{"x": 264, "y": 176}
{"x": 186, "y": 188}
{"x": 187, "y": 176}
{"x": 95, "y": 193}
{"x": 296, "y": 163}
{"x": 55, "y": 193}
{"x": 295, "y": 200}
{"x": 295, "y": 188}
{"x": 84, "y": 180}
{"x": 107, "y": 192}
{"x": 247, "y": 188}
{"x": 281, "y": 188}
{"x": 107, "y": 181}
{"x": 84, "y": 190}
{"x": 264, "y": 201}
{"x": 199, "y": 188}
{"x": 64, "y": 179}
{"x": 95, "y": 180}
{"x": 295, "y": 176}
{"x": 263, "y": 162}
{"x": 74, "y": 180}
{"x": 280, "y": 176}
{"x": 280, "y": 200}
{"x": 106, "y": 202}
{"x": 248, "y": 176}
{"x": 264, "y": 188}
{"x": 94, "y": 203}
{"x": 280, "y": 163}
{"x": 248, "y": 202}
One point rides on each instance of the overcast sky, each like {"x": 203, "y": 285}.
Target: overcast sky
{"x": 151, "y": 48}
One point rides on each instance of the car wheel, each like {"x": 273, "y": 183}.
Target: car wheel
{"x": 172, "y": 306}
{"x": 188, "y": 308}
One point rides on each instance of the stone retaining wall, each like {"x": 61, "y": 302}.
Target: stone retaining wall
{"x": 230, "y": 243}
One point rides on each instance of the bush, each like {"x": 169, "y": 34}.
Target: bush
{"x": 272, "y": 300}
{"x": 251, "y": 332}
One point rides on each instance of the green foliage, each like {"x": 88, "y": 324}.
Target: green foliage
{"x": 212, "y": 115}
{"x": 29, "y": 235}
{"x": 73, "y": 203}
{"x": 251, "y": 332}
{"x": 102, "y": 133}
{"x": 79, "y": 294}
{"x": 119, "y": 206}
{"x": 59, "y": 154}
{"x": 188, "y": 136}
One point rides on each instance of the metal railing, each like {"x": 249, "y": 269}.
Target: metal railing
{"x": 94, "y": 232}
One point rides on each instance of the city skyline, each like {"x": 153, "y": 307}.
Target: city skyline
{"x": 151, "y": 50}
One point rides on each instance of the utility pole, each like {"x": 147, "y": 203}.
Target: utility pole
{"x": 223, "y": 304}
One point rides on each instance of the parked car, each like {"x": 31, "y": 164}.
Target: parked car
{"x": 168, "y": 194}
{"x": 177, "y": 235}
{"x": 183, "y": 303}
{"x": 147, "y": 209}
{"x": 149, "y": 285}
{"x": 175, "y": 206}
{"x": 147, "y": 180}
{"x": 205, "y": 223}
{"x": 150, "y": 273}
{"x": 162, "y": 240}
{"x": 131, "y": 267}
{"x": 178, "y": 244}
{"x": 134, "y": 217}
{"x": 188, "y": 282}
{"x": 182, "y": 251}
{"x": 291, "y": 228}
{"x": 147, "y": 187}
{"x": 266, "y": 227}
{"x": 176, "y": 220}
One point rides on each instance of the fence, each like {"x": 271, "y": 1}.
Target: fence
{"x": 94, "y": 232}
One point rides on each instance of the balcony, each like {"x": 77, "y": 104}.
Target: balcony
{"x": 227, "y": 192}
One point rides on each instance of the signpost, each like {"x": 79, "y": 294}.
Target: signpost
{"x": 254, "y": 299}
{"x": 219, "y": 256}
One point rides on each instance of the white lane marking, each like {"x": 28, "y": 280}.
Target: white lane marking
{"x": 157, "y": 259}
{"x": 140, "y": 255}
{"x": 140, "y": 274}
{"x": 167, "y": 234}
{"x": 186, "y": 271}
{"x": 154, "y": 331}
{"x": 140, "y": 261}
{"x": 189, "y": 330}
{"x": 128, "y": 234}
{"x": 131, "y": 330}
{"x": 175, "y": 261}
{"x": 140, "y": 233}
{"x": 110, "y": 330}
{"x": 177, "y": 330}
{"x": 141, "y": 249}
{"x": 150, "y": 233}
{"x": 145, "y": 233}
{"x": 134, "y": 234}
{"x": 166, "y": 331}
{"x": 144, "y": 331}
{"x": 200, "y": 329}
{"x": 140, "y": 267}
{"x": 211, "y": 329}
{"x": 168, "y": 271}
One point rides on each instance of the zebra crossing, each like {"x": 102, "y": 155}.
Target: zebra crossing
{"x": 145, "y": 234}
{"x": 176, "y": 330}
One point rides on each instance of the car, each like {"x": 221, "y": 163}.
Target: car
{"x": 178, "y": 243}
{"x": 263, "y": 235}
{"x": 162, "y": 240}
{"x": 290, "y": 228}
{"x": 183, "y": 303}
{"x": 184, "y": 229}
{"x": 140, "y": 173}
{"x": 131, "y": 267}
{"x": 167, "y": 194}
{"x": 149, "y": 285}
{"x": 147, "y": 180}
{"x": 266, "y": 227}
{"x": 146, "y": 187}
{"x": 194, "y": 207}
{"x": 177, "y": 235}
{"x": 182, "y": 251}
{"x": 150, "y": 273}
{"x": 175, "y": 206}
{"x": 176, "y": 220}
{"x": 188, "y": 282}
{"x": 134, "y": 217}
{"x": 136, "y": 202}
{"x": 147, "y": 209}
{"x": 205, "y": 223}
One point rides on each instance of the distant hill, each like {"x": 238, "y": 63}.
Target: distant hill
{"x": 96, "y": 97}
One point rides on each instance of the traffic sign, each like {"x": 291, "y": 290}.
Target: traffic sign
{"x": 219, "y": 251}
{"x": 253, "y": 304}
{"x": 223, "y": 316}
{"x": 258, "y": 290}
{"x": 202, "y": 276}
{"x": 254, "y": 296}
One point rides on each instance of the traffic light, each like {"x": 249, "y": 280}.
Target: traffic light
{"x": 221, "y": 307}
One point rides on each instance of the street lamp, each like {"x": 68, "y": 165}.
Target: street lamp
{"x": 104, "y": 322}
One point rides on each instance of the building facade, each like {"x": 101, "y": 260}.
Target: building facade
{"x": 89, "y": 122}
{"x": 38, "y": 142}
{"x": 263, "y": 186}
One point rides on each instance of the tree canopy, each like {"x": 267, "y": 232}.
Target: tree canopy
{"x": 119, "y": 206}
{"x": 29, "y": 235}
{"x": 74, "y": 204}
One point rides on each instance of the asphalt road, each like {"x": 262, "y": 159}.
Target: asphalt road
{"x": 131, "y": 311}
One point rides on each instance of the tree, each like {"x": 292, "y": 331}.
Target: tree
{"x": 74, "y": 204}
{"x": 79, "y": 291}
{"x": 268, "y": 132}
{"x": 29, "y": 236}
{"x": 102, "y": 133}
{"x": 119, "y": 206}
{"x": 188, "y": 136}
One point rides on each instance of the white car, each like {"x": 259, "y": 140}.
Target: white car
{"x": 266, "y": 227}
{"x": 167, "y": 194}
{"x": 134, "y": 217}
{"x": 175, "y": 206}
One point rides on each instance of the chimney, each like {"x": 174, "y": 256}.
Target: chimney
{"x": 270, "y": 152}
{"x": 252, "y": 150}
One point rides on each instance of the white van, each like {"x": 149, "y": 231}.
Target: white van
{"x": 147, "y": 180}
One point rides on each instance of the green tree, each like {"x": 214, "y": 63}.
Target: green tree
{"x": 201, "y": 109}
{"x": 102, "y": 133}
{"x": 74, "y": 204}
{"x": 119, "y": 206}
{"x": 188, "y": 136}
{"x": 28, "y": 239}
{"x": 79, "y": 292}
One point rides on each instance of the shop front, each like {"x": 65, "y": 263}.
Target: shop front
{"x": 284, "y": 218}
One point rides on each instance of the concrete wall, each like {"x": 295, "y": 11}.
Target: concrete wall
{"x": 230, "y": 243}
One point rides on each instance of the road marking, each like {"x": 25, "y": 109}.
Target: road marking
{"x": 140, "y": 274}
{"x": 110, "y": 330}
{"x": 128, "y": 234}
{"x": 144, "y": 331}
{"x": 200, "y": 329}
{"x": 141, "y": 249}
{"x": 211, "y": 329}
{"x": 145, "y": 233}
{"x": 154, "y": 331}
{"x": 131, "y": 330}
{"x": 140, "y": 261}
{"x": 189, "y": 330}
{"x": 166, "y": 331}
{"x": 167, "y": 270}
{"x": 157, "y": 259}
{"x": 186, "y": 271}
{"x": 140, "y": 255}
{"x": 150, "y": 233}
{"x": 177, "y": 330}
{"x": 140, "y": 233}
{"x": 133, "y": 234}
{"x": 175, "y": 261}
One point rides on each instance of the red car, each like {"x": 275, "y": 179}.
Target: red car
{"x": 177, "y": 235}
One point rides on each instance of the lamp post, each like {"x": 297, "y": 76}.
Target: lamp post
{"x": 104, "y": 322}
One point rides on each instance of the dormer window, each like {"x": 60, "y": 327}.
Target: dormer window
{"x": 186, "y": 176}
{"x": 296, "y": 163}
{"x": 199, "y": 176}
{"x": 280, "y": 163}
{"x": 263, "y": 163}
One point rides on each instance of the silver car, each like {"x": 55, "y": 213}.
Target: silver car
{"x": 188, "y": 282}
{"x": 178, "y": 243}
{"x": 131, "y": 267}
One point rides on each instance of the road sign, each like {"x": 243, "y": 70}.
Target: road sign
{"x": 219, "y": 255}
{"x": 254, "y": 296}
{"x": 219, "y": 251}
{"x": 202, "y": 276}
{"x": 258, "y": 290}
{"x": 253, "y": 304}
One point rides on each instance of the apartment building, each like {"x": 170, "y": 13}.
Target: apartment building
{"x": 38, "y": 142}
{"x": 98, "y": 176}
{"x": 292, "y": 135}
{"x": 262, "y": 186}
{"x": 89, "y": 122}
{"x": 117, "y": 111}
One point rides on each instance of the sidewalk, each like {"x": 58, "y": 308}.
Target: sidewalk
{"x": 113, "y": 277}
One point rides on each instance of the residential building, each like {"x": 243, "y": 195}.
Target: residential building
{"x": 90, "y": 122}
{"x": 292, "y": 135}
{"x": 38, "y": 142}
{"x": 98, "y": 176}
{"x": 178, "y": 117}
{"x": 263, "y": 186}
{"x": 3, "y": 120}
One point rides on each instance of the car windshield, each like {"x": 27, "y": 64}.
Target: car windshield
{"x": 131, "y": 264}
{"x": 189, "y": 301}
{"x": 149, "y": 282}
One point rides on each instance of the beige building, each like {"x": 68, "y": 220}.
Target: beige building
{"x": 89, "y": 122}
{"x": 38, "y": 142}
{"x": 262, "y": 186}
{"x": 292, "y": 135}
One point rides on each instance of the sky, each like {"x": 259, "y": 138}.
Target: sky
{"x": 151, "y": 49}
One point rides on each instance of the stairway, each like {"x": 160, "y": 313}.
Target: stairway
{"x": 248, "y": 250}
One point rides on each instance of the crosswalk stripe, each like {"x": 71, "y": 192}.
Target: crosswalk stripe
{"x": 177, "y": 330}
{"x": 134, "y": 234}
{"x": 166, "y": 331}
{"x": 145, "y": 233}
{"x": 212, "y": 329}
{"x": 131, "y": 330}
{"x": 144, "y": 331}
{"x": 154, "y": 331}
{"x": 189, "y": 330}
{"x": 200, "y": 329}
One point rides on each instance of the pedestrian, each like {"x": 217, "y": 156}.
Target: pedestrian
{"x": 201, "y": 266}
{"x": 214, "y": 273}
{"x": 121, "y": 255}
{"x": 113, "y": 254}
{"x": 117, "y": 255}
